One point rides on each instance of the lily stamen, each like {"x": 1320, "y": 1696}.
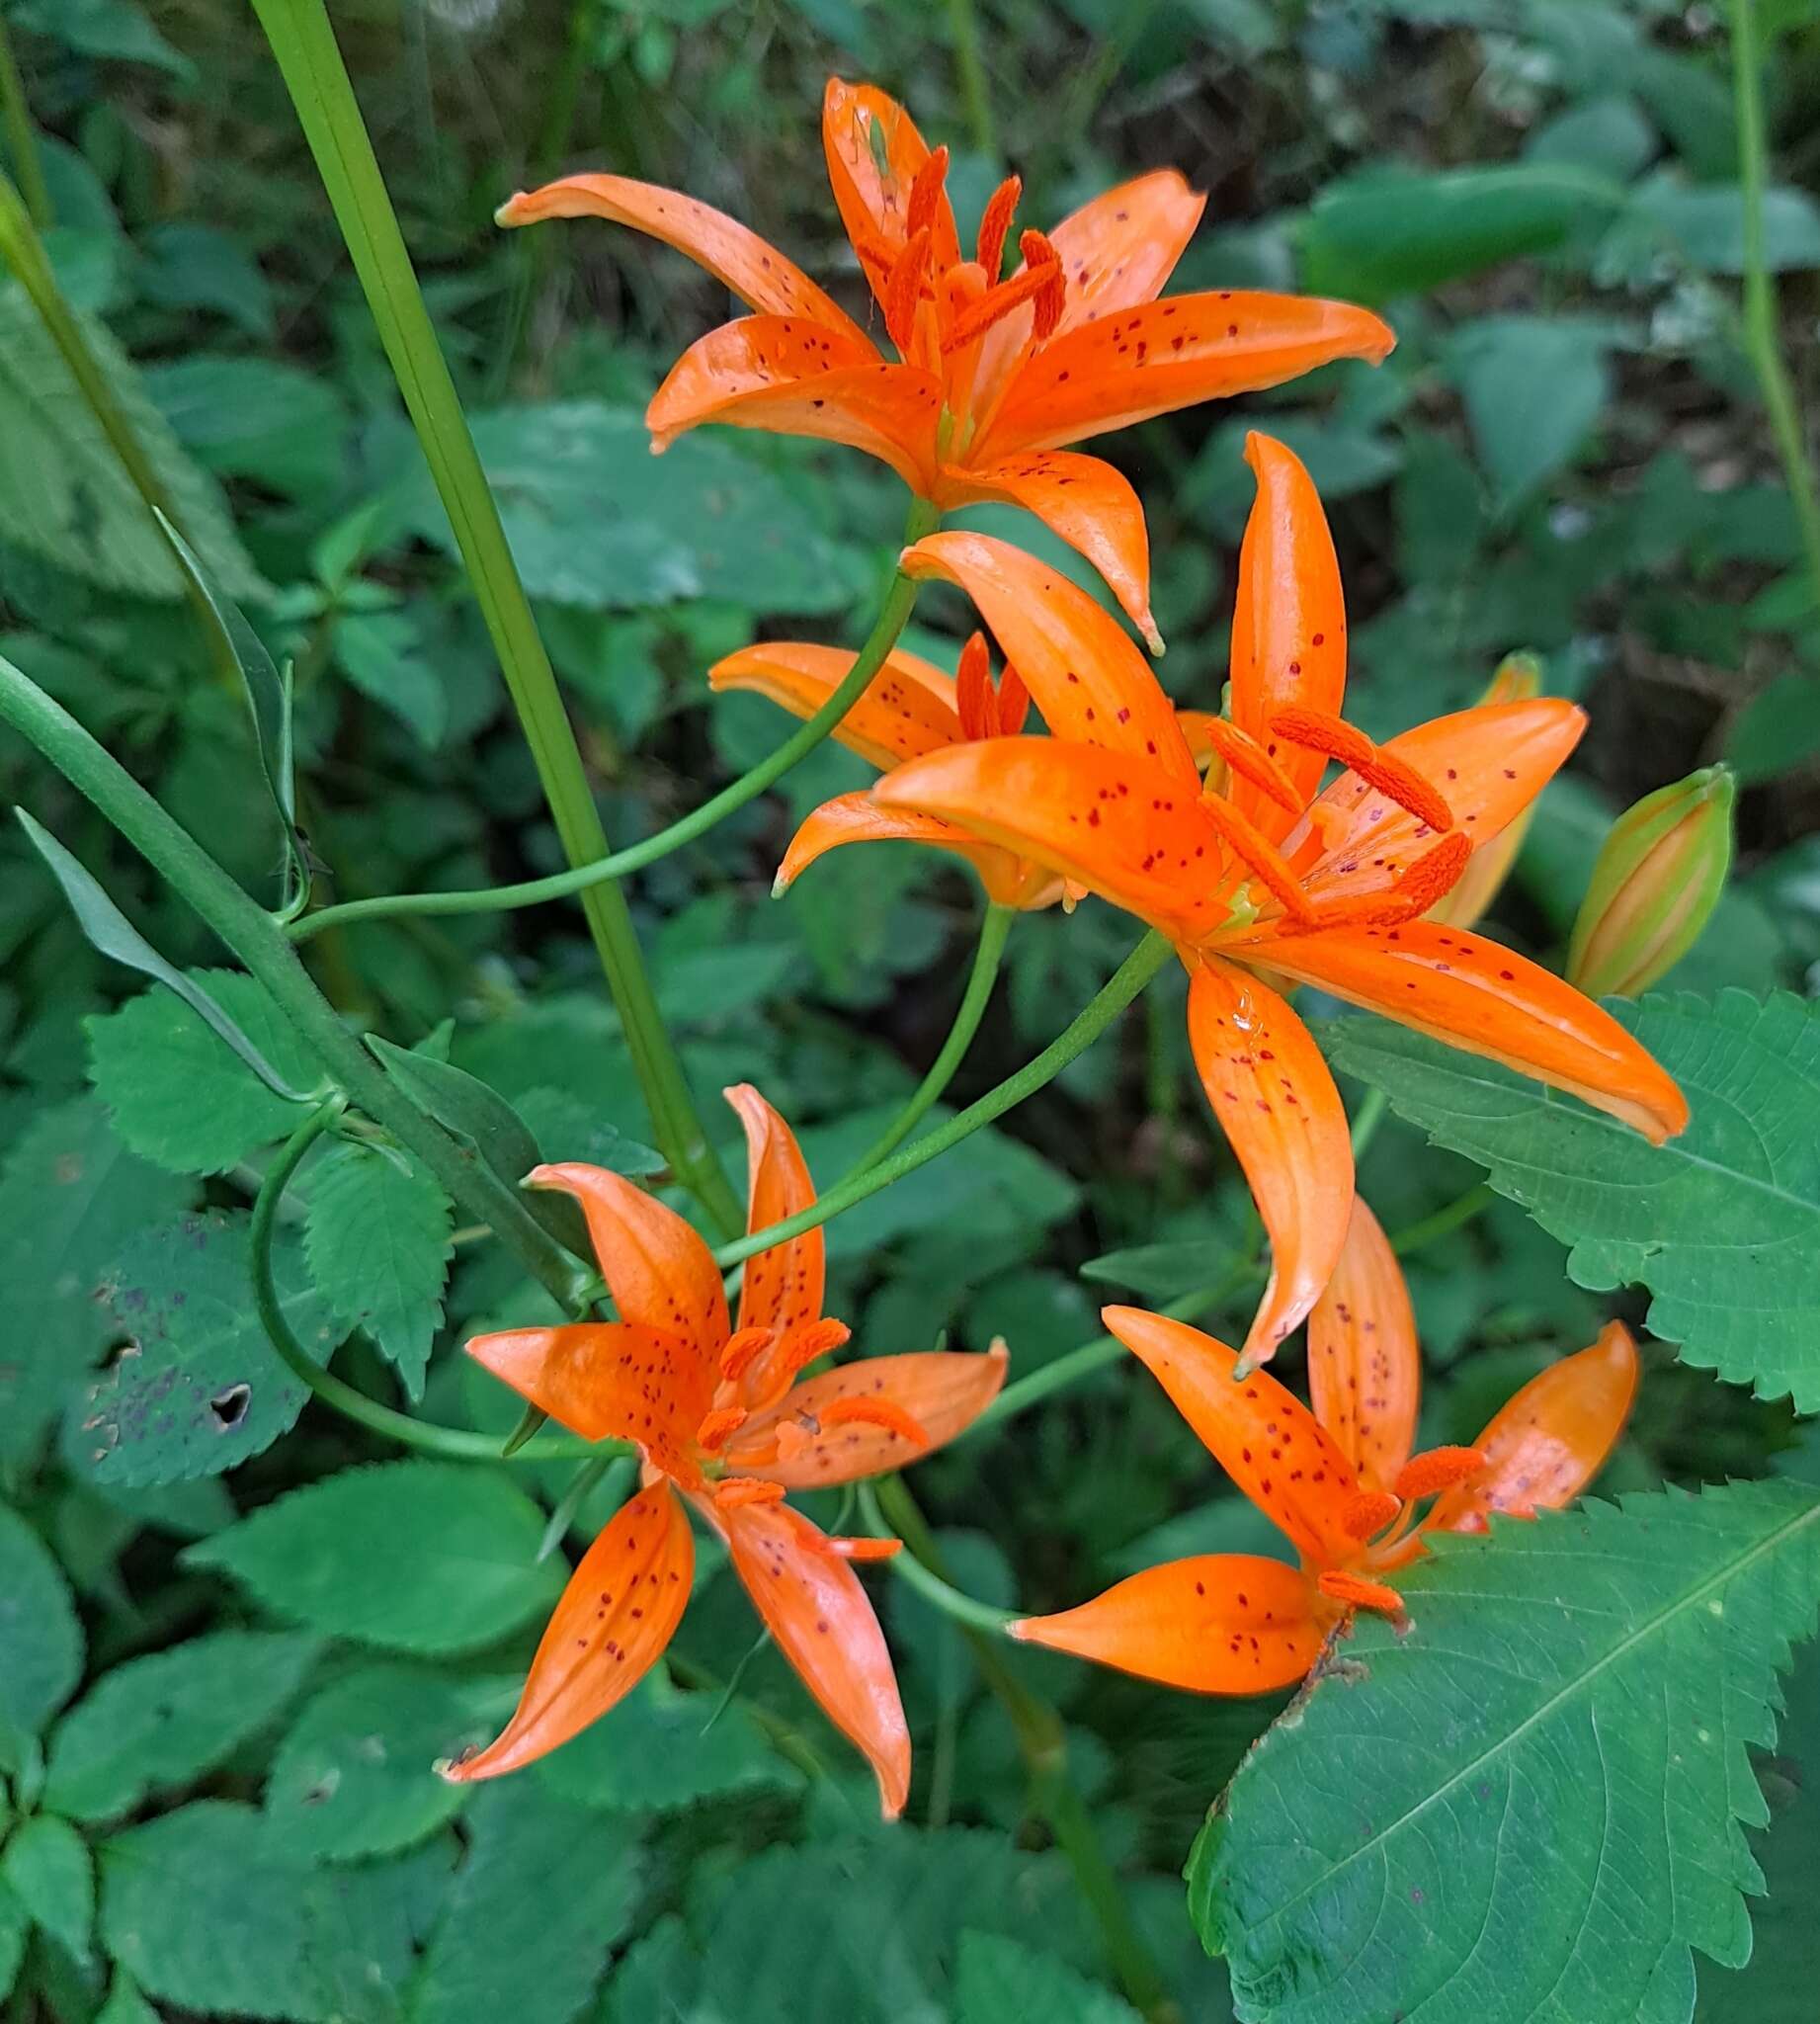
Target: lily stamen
{"x": 1408, "y": 896}
{"x": 926, "y": 193}
{"x": 903, "y": 291}
{"x": 995, "y": 225}
{"x": 736, "y": 1492}
{"x": 876, "y": 1413}
{"x": 1041, "y": 257}
{"x": 993, "y": 307}
{"x": 1247, "y": 758}
{"x": 1369, "y": 1512}
{"x": 1359, "y": 1593}
{"x": 1249, "y": 843}
{"x": 719, "y": 1427}
{"x": 1314, "y": 730}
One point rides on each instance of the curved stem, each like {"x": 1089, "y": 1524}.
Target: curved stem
{"x": 303, "y": 43}
{"x": 1131, "y": 978}
{"x": 459, "y": 1444}
{"x": 21, "y": 136}
{"x": 1442, "y": 1222}
{"x": 563, "y": 885}
{"x": 909, "y": 1569}
{"x": 984, "y": 974}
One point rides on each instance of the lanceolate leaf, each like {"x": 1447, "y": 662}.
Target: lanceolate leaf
{"x": 1723, "y": 1224}
{"x": 1522, "y": 1807}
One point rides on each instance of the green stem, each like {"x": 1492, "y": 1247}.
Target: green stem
{"x": 260, "y": 944}
{"x": 1369, "y": 1116}
{"x": 454, "y": 1443}
{"x": 22, "y": 135}
{"x": 563, "y": 885}
{"x": 304, "y": 43}
{"x": 1762, "y": 329}
{"x": 1136, "y": 971}
{"x": 789, "y": 1743}
{"x": 976, "y": 96}
{"x": 992, "y": 933}
{"x": 910, "y": 1569}
{"x": 1428, "y": 1230}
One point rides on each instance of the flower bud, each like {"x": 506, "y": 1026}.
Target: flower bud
{"x": 1659, "y": 876}
{"x": 1519, "y": 680}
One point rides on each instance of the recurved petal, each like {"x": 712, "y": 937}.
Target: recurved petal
{"x": 873, "y": 152}
{"x": 1090, "y": 683}
{"x": 608, "y": 1380}
{"x": 610, "y": 1625}
{"x": 1550, "y": 1441}
{"x": 1161, "y": 356}
{"x": 1275, "y": 1098}
{"x": 1288, "y": 623}
{"x": 661, "y": 1275}
{"x": 1259, "y": 1432}
{"x": 812, "y": 1604}
{"x": 1486, "y": 999}
{"x": 1117, "y": 825}
{"x": 857, "y": 818}
{"x": 1120, "y": 248}
{"x": 1218, "y": 1624}
{"x": 753, "y": 268}
{"x": 906, "y": 709}
{"x": 1083, "y": 500}
{"x": 1364, "y": 1364}
{"x": 781, "y": 1288}
{"x": 939, "y": 1392}
{"x": 798, "y": 379}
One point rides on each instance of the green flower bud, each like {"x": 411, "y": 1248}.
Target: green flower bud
{"x": 1658, "y": 878}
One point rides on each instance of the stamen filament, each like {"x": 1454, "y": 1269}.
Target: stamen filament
{"x": 1261, "y": 855}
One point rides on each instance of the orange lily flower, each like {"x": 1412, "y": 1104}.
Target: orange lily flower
{"x": 1340, "y": 1482}
{"x": 992, "y": 377}
{"x": 1063, "y": 651}
{"x": 723, "y": 1426}
{"x": 1267, "y": 875}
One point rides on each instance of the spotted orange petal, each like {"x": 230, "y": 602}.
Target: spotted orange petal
{"x": 906, "y": 709}
{"x": 781, "y": 1288}
{"x": 1276, "y": 1101}
{"x": 873, "y": 152}
{"x": 610, "y": 1625}
{"x": 1364, "y": 1364}
{"x": 1122, "y": 246}
{"x": 857, "y": 818}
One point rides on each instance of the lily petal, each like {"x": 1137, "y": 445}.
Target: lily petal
{"x": 1485, "y": 999}
{"x": 906, "y": 709}
{"x": 942, "y": 1390}
{"x": 661, "y": 1275}
{"x": 608, "y": 1381}
{"x": 1126, "y": 367}
{"x": 1551, "y": 1439}
{"x": 1364, "y": 1364}
{"x": 1092, "y": 685}
{"x": 860, "y": 124}
{"x": 798, "y": 378}
{"x": 1121, "y": 247}
{"x": 1288, "y": 624}
{"x": 1275, "y": 1098}
{"x": 751, "y": 267}
{"x": 857, "y": 818}
{"x": 1216, "y": 1624}
{"x": 1086, "y": 503}
{"x": 1119, "y": 826}
{"x": 781, "y": 1288}
{"x": 610, "y": 1625}
{"x": 1259, "y": 1432}
{"x": 812, "y": 1604}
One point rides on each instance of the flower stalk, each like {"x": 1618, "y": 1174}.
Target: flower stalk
{"x": 22, "y": 136}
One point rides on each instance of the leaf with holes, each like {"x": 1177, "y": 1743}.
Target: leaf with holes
{"x": 197, "y": 1388}
{"x": 1545, "y": 1775}
{"x": 1723, "y": 1224}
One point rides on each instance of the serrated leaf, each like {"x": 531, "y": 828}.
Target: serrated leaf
{"x": 356, "y": 1774}
{"x": 377, "y": 1236}
{"x": 458, "y": 1568}
{"x": 256, "y": 419}
{"x": 197, "y": 1389}
{"x": 41, "y": 1637}
{"x": 48, "y": 1868}
{"x": 1723, "y": 1224}
{"x": 544, "y": 1883}
{"x": 157, "y": 1723}
{"x": 1544, "y": 1775}
{"x": 1002, "y": 1982}
{"x": 179, "y": 1092}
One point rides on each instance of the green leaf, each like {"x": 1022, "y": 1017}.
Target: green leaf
{"x": 112, "y": 30}
{"x": 181, "y": 1098}
{"x": 567, "y": 1127}
{"x": 48, "y": 1869}
{"x": 385, "y": 655}
{"x": 377, "y": 1240}
{"x": 1534, "y": 387}
{"x": 157, "y": 1723}
{"x": 63, "y": 493}
{"x": 656, "y": 1752}
{"x": 38, "y": 1629}
{"x": 1002, "y": 1982}
{"x": 458, "y": 1568}
{"x": 1723, "y": 1224}
{"x": 546, "y": 1888}
{"x": 197, "y": 1389}
{"x": 256, "y": 419}
{"x": 1778, "y": 729}
{"x": 356, "y": 1777}
{"x": 15, "y": 1930}
{"x": 1704, "y": 223}
{"x": 70, "y": 1193}
{"x": 1544, "y": 1775}
{"x": 125, "y": 2005}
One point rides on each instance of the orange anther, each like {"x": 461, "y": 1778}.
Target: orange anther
{"x": 864, "y": 1548}
{"x": 801, "y": 1346}
{"x": 742, "y": 1348}
{"x": 1359, "y": 1593}
{"x": 926, "y": 193}
{"x": 876, "y": 1413}
{"x": 1316, "y": 731}
{"x": 1249, "y": 760}
{"x": 1431, "y": 878}
{"x": 1261, "y": 855}
{"x": 1013, "y": 703}
{"x": 734, "y": 1492}
{"x": 1041, "y": 257}
{"x": 995, "y": 223}
{"x": 903, "y": 291}
{"x": 1369, "y": 1512}
{"x": 719, "y": 1427}
{"x": 973, "y": 689}
{"x": 1438, "y": 1469}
